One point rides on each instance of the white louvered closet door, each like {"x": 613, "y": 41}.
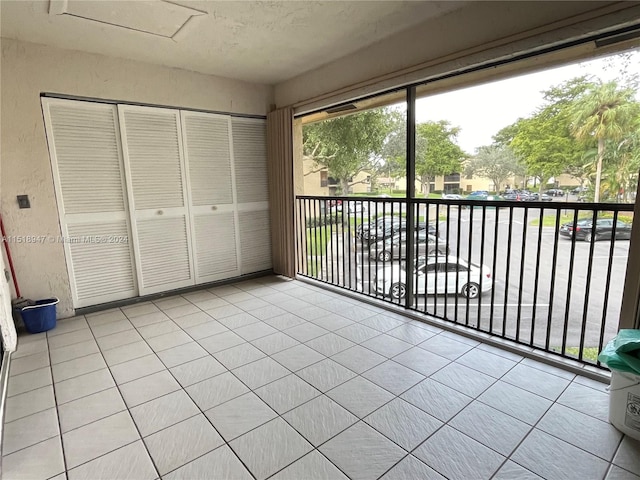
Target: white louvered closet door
{"x": 156, "y": 179}
{"x": 250, "y": 163}
{"x": 207, "y": 145}
{"x": 88, "y": 175}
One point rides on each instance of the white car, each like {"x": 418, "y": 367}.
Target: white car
{"x": 357, "y": 207}
{"x": 451, "y": 196}
{"x": 451, "y": 274}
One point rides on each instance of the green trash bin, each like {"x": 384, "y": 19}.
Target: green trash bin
{"x": 622, "y": 356}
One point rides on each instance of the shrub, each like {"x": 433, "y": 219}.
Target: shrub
{"x": 333, "y": 219}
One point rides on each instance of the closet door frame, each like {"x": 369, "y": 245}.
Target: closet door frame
{"x": 207, "y": 209}
{"x": 154, "y": 213}
{"x": 88, "y": 217}
{"x": 260, "y": 206}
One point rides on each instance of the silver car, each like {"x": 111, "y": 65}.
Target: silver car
{"x": 396, "y": 247}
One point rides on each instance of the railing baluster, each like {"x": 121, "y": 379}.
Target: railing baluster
{"x": 482, "y": 240}
{"x": 508, "y": 271}
{"x": 360, "y": 252}
{"x": 458, "y": 255}
{"x": 587, "y": 287}
{"x": 607, "y": 284}
{"x": 348, "y": 238}
{"x": 437, "y": 254}
{"x": 331, "y": 243}
{"x": 446, "y": 274}
{"x": 313, "y": 237}
{"x": 469, "y": 251}
{"x": 567, "y": 307}
{"x": 522, "y": 259}
{"x": 298, "y": 227}
{"x": 493, "y": 269}
{"x": 434, "y": 297}
{"x": 536, "y": 278}
{"x": 554, "y": 264}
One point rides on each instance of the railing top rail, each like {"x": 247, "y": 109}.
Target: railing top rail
{"x": 561, "y": 205}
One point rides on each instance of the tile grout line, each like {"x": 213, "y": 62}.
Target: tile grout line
{"x": 303, "y": 343}
{"x": 55, "y": 399}
{"x": 278, "y": 415}
{"x": 192, "y": 400}
{"x": 534, "y": 427}
{"x": 126, "y": 406}
{"x": 128, "y": 410}
{"x": 611, "y": 464}
{"x": 321, "y": 393}
{"x": 476, "y": 398}
{"x": 360, "y": 419}
{"x": 36, "y": 388}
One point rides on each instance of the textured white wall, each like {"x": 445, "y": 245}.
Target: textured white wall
{"x": 30, "y": 69}
{"x": 477, "y": 33}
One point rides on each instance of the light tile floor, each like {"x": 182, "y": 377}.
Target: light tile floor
{"x": 279, "y": 379}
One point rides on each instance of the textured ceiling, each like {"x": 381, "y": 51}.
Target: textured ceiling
{"x": 264, "y": 42}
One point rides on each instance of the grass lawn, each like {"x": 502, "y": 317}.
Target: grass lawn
{"x": 589, "y": 353}
{"x": 355, "y": 221}
{"x": 550, "y": 220}
{"x": 317, "y": 239}
{"x": 393, "y": 195}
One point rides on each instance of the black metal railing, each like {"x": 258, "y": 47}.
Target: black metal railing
{"x": 545, "y": 274}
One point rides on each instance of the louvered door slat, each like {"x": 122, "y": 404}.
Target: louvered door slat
{"x": 102, "y": 259}
{"x": 215, "y": 246}
{"x": 87, "y": 151}
{"x": 209, "y": 158}
{"x": 154, "y": 151}
{"x": 255, "y": 241}
{"x": 250, "y": 159}
{"x": 164, "y": 258}
{"x": 85, "y": 148}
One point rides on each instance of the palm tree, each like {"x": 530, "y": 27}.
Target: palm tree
{"x": 605, "y": 112}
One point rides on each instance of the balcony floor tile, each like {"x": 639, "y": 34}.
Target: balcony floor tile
{"x": 274, "y": 378}
{"x": 362, "y": 453}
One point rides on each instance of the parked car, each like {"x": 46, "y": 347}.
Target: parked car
{"x": 396, "y": 247}
{"x": 477, "y": 196}
{"x": 363, "y": 230}
{"x": 482, "y": 196}
{"x": 511, "y": 196}
{"x": 603, "y": 231}
{"x": 452, "y": 275}
{"x": 535, "y": 197}
{"x": 451, "y": 196}
{"x": 555, "y": 192}
{"x": 390, "y": 229}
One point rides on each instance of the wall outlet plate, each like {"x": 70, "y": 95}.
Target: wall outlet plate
{"x": 23, "y": 201}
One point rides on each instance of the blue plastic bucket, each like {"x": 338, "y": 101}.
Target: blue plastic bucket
{"x": 41, "y": 316}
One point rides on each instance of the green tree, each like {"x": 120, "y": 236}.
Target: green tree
{"x": 496, "y": 162}
{"x": 394, "y": 152}
{"x": 436, "y": 152}
{"x": 606, "y": 112}
{"x": 620, "y": 176}
{"x": 505, "y": 136}
{"x": 544, "y": 141}
{"x": 347, "y": 145}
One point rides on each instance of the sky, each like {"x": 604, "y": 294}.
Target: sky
{"x": 483, "y": 110}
